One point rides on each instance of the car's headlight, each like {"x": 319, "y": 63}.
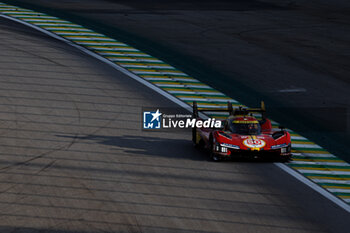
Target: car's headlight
{"x": 226, "y": 145}
{"x": 284, "y": 149}
{"x": 279, "y": 146}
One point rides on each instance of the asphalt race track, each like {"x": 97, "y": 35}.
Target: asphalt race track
{"x": 74, "y": 158}
{"x": 292, "y": 54}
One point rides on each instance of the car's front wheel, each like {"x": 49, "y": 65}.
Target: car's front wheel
{"x": 286, "y": 155}
{"x": 213, "y": 156}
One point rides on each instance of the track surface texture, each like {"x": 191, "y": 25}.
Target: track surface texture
{"x": 292, "y": 54}
{"x": 74, "y": 158}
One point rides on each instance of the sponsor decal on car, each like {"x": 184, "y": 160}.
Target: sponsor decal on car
{"x": 279, "y": 146}
{"x": 254, "y": 143}
{"x": 229, "y": 146}
{"x": 245, "y": 122}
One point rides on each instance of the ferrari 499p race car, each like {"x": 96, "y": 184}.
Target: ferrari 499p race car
{"x": 242, "y": 135}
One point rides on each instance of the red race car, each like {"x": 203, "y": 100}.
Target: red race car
{"x": 242, "y": 135}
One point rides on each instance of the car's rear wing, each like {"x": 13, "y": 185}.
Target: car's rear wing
{"x": 232, "y": 111}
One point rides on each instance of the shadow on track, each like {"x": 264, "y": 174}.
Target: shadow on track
{"x": 140, "y": 145}
{"x": 161, "y": 147}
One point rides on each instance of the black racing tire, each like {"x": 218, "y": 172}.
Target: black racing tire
{"x": 285, "y": 159}
{"x": 213, "y": 156}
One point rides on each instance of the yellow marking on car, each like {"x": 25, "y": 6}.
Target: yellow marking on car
{"x": 246, "y": 122}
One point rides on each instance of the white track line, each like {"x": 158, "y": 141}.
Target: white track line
{"x": 319, "y": 180}
{"x": 343, "y": 164}
{"x": 314, "y": 186}
{"x": 284, "y": 167}
{"x": 311, "y": 155}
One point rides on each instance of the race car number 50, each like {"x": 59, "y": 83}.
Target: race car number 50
{"x": 254, "y": 143}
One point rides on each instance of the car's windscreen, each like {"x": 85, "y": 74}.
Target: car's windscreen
{"x": 245, "y": 128}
